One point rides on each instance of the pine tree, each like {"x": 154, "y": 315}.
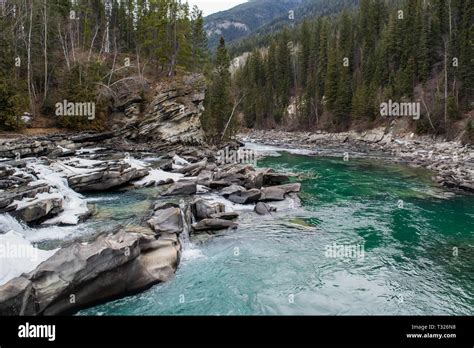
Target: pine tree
{"x": 218, "y": 99}
{"x": 199, "y": 40}
{"x": 283, "y": 73}
{"x": 332, "y": 78}
{"x": 305, "y": 53}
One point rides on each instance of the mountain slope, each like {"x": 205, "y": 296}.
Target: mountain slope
{"x": 244, "y": 19}
{"x": 306, "y": 10}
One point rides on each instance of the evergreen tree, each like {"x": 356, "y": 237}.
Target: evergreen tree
{"x": 218, "y": 99}
{"x": 199, "y": 40}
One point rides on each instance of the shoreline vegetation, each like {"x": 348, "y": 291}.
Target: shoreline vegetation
{"x": 451, "y": 162}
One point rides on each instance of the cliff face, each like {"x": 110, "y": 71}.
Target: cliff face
{"x": 172, "y": 116}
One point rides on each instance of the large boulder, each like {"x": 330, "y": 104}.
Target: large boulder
{"x": 39, "y": 209}
{"x": 105, "y": 176}
{"x": 193, "y": 169}
{"x": 181, "y": 188}
{"x": 270, "y": 178}
{"x": 232, "y": 189}
{"x": 205, "y": 177}
{"x": 246, "y": 197}
{"x": 81, "y": 275}
{"x": 20, "y": 193}
{"x": 167, "y": 221}
{"x": 213, "y": 225}
{"x": 277, "y": 193}
{"x": 220, "y": 182}
{"x": 202, "y": 209}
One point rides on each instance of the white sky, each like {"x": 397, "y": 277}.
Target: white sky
{"x": 212, "y": 6}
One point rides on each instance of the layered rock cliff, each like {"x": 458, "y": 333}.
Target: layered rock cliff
{"x": 172, "y": 115}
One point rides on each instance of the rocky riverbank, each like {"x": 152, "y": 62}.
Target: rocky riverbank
{"x": 451, "y": 162}
{"x": 43, "y": 181}
{"x": 44, "y": 187}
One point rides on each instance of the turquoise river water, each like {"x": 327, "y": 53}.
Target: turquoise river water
{"x": 415, "y": 244}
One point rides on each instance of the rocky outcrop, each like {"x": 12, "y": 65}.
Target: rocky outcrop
{"x": 39, "y": 209}
{"x": 135, "y": 258}
{"x": 53, "y": 146}
{"x": 103, "y": 176}
{"x": 7, "y": 198}
{"x": 173, "y": 115}
{"x": 80, "y": 275}
{"x": 26, "y": 148}
{"x": 39, "y": 195}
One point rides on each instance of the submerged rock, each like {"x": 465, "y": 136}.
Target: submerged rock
{"x": 264, "y": 209}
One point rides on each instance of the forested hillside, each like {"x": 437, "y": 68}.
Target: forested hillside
{"x": 334, "y": 72}
{"x": 243, "y": 20}
{"x": 85, "y": 50}
{"x": 307, "y": 10}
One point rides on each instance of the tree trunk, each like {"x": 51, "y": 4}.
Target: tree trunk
{"x": 45, "y": 18}
{"x": 445, "y": 80}
{"x": 29, "y": 72}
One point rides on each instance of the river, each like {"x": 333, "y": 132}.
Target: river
{"x": 408, "y": 249}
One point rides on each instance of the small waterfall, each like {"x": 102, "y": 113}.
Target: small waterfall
{"x": 18, "y": 255}
{"x": 9, "y": 223}
{"x": 189, "y": 250}
{"x": 74, "y": 204}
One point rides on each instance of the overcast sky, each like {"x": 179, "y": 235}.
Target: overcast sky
{"x": 211, "y": 6}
